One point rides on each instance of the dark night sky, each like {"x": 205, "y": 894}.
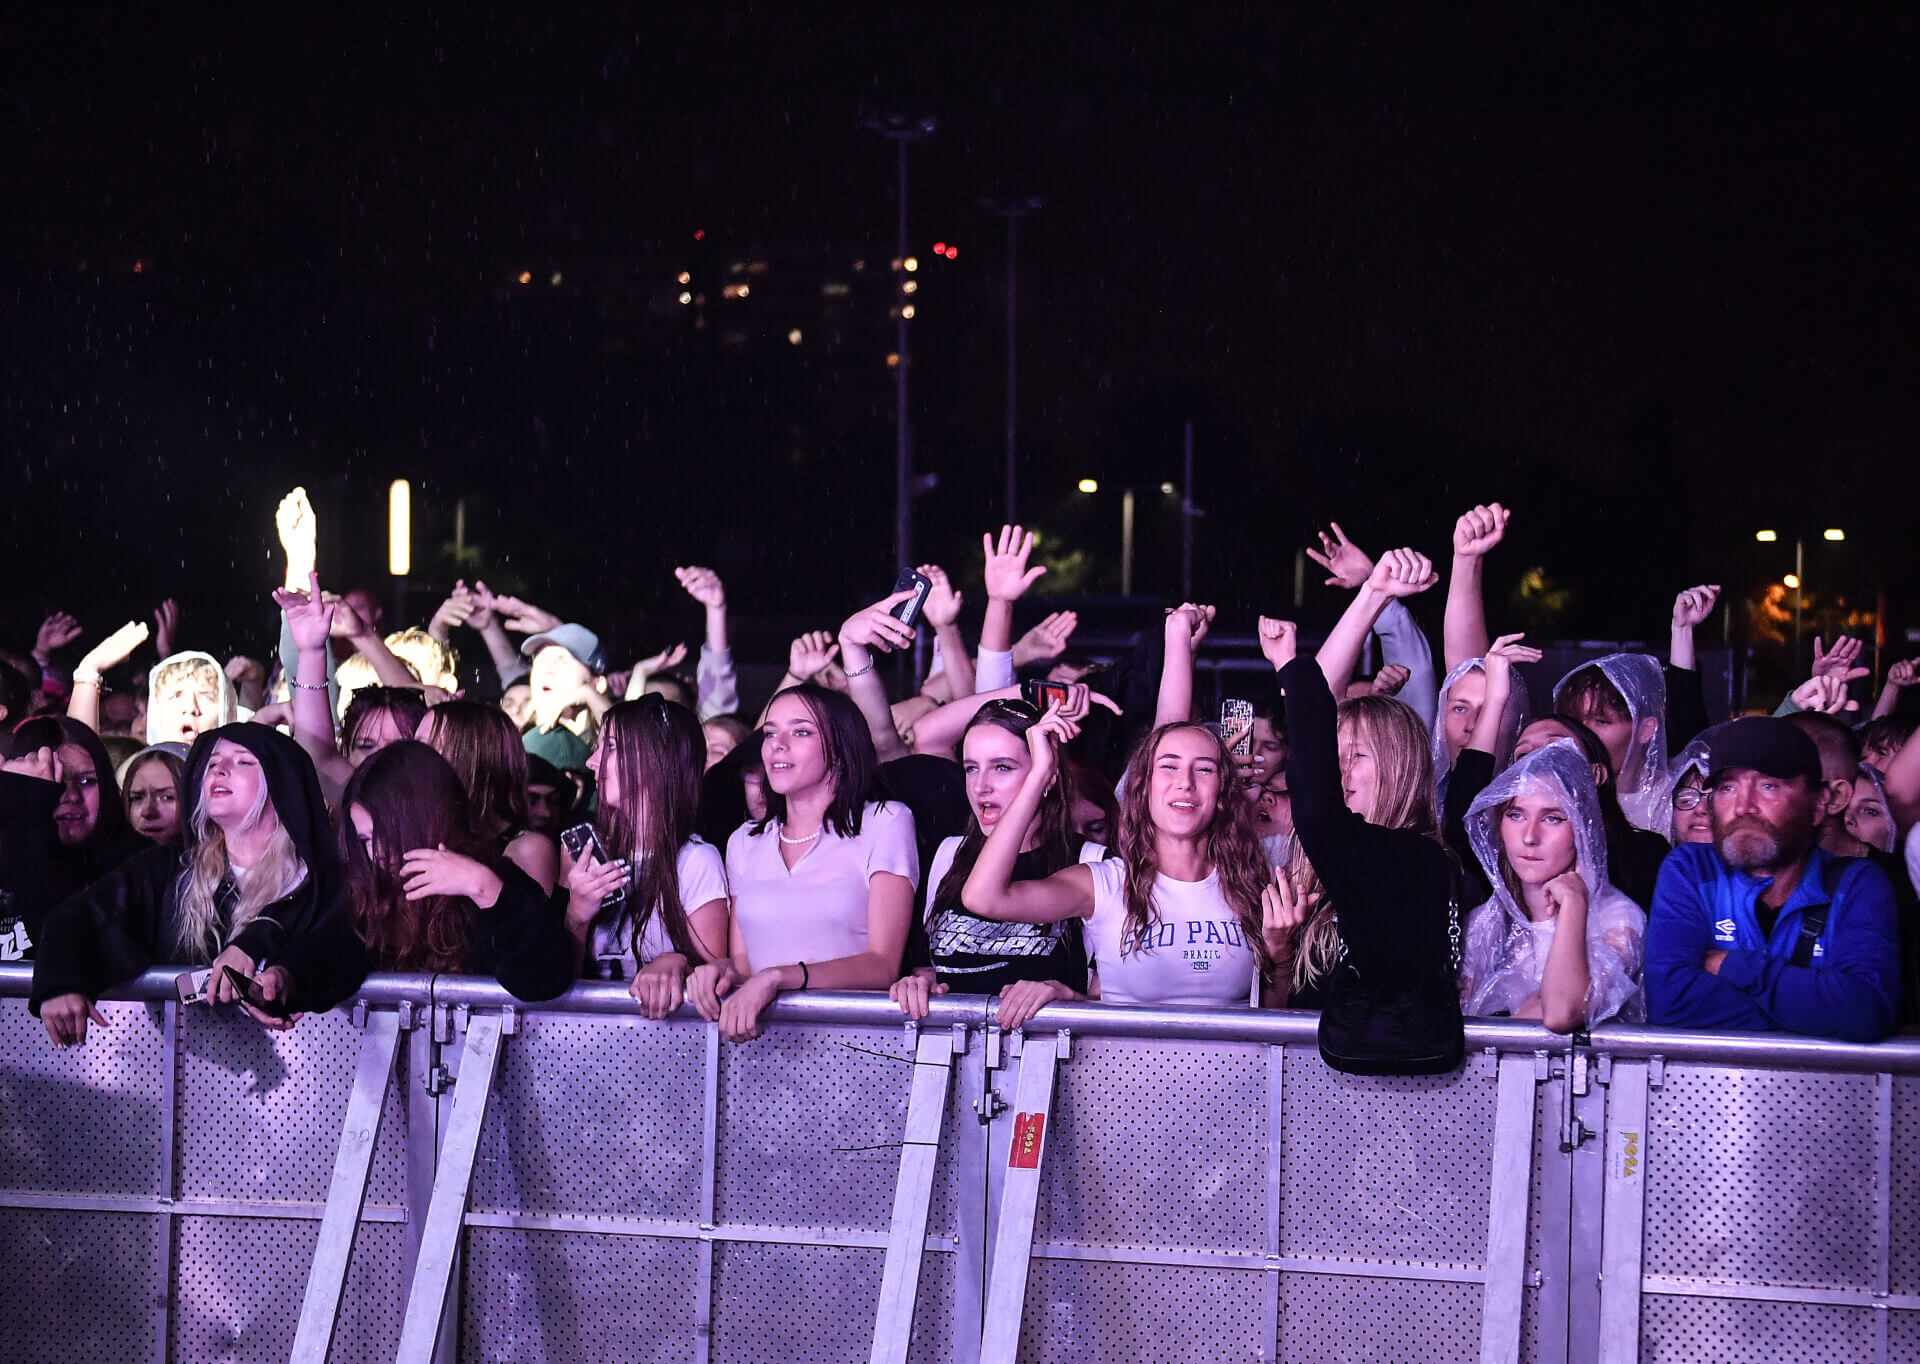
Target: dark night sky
{"x": 1648, "y": 277}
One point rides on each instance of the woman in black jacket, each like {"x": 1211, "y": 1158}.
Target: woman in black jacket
{"x": 256, "y": 875}
{"x": 425, "y": 892}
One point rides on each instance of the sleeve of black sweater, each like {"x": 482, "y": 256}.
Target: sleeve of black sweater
{"x": 1389, "y": 886}
{"x": 1472, "y": 774}
{"x": 28, "y": 846}
{"x": 523, "y": 942}
{"x": 1686, "y": 706}
{"x": 328, "y": 962}
{"x": 108, "y": 933}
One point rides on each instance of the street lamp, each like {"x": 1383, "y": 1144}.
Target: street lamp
{"x": 1795, "y": 582}
{"x": 1090, "y": 485}
{"x": 1012, "y": 210}
{"x": 400, "y": 542}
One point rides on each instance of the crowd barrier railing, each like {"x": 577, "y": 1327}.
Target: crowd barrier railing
{"x": 441, "y": 1172}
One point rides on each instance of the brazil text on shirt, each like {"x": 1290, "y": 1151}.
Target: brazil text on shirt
{"x": 1200, "y": 942}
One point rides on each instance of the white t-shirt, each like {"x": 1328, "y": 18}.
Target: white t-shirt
{"x": 703, "y": 877}
{"x": 818, "y": 910}
{"x": 1197, "y": 954}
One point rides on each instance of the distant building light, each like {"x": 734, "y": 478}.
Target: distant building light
{"x": 910, "y": 286}
{"x": 893, "y": 359}
{"x": 139, "y": 267}
{"x": 526, "y": 276}
{"x": 700, "y": 234}
{"x": 735, "y": 291}
{"x": 1766, "y": 537}
{"x": 738, "y": 267}
{"x": 686, "y": 298}
{"x": 907, "y": 312}
{"x": 758, "y": 267}
{"x": 835, "y": 289}
{"x": 793, "y": 337}
{"x": 859, "y": 265}
{"x": 1168, "y": 489}
{"x": 1834, "y": 534}
{"x": 685, "y": 277}
{"x": 910, "y": 264}
{"x": 1089, "y": 485}
{"x": 1790, "y": 581}
{"x": 554, "y": 278}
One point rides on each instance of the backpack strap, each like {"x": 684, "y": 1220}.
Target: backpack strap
{"x": 1813, "y": 922}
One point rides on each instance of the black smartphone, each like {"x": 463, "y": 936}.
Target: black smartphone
{"x": 580, "y": 842}
{"x": 250, "y": 991}
{"x": 908, "y": 611}
{"x": 1040, "y": 693}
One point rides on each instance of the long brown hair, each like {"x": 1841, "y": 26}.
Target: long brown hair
{"x": 1402, "y": 752}
{"x": 1233, "y": 845}
{"x": 1055, "y": 816}
{"x": 847, "y": 745}
{"x": 484, "y": 749}
{"x": 415, "y": 801}
{"x": 659, "y": 755}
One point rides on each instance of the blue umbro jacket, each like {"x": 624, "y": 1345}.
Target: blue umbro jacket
{"x": 1852, "y": 989}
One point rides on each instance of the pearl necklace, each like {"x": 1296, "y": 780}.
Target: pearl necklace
{"x": 793, "y": 841}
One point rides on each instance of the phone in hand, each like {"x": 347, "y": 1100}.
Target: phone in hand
{"x": 581, "y": 842}
{"x": 1040, "y": 693}
{"x": 908, "y": 611}
{"x": 191, "y": 986}
{"x": 1235, "y": 713}
{"x": 249, "y": 990}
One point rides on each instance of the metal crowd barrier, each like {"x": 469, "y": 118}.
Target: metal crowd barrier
{"x": 442, "y": 1173}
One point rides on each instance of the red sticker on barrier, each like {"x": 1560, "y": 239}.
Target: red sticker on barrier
{"x": 1028, "y": 1130}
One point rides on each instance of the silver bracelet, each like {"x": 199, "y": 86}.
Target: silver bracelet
{"x": 860, "y": 672}
{"x": 306, "y": 686}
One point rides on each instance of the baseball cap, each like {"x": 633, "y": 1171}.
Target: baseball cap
{"x": 1762, "y": 743}
{"x": 577, "y": 640}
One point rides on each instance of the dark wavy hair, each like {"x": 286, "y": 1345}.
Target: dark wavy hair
{"x": 415, "y": 801}
{"x": 851, "y": 761}
{"x": 1055, "y": 816}
{"x": 1233, "y": 845}
{"x": 407, "y": 706}
{"x": 484, "y": 749}
{"x": 54, "y": 731}
{"x": 659, "y": 756}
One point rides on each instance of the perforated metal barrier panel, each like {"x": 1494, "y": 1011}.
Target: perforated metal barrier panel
{"x": 1206, "y": 1189}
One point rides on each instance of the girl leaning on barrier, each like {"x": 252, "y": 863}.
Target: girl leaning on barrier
{"x": 426, "y": 891}
{"x": 257, "y": 872}
{"x": 1027, "y": 965}
{"x": 823, "y": 886}
{"x": 668, "y": 911}
{"x": 1555, "y": 940}
{"x": 1176, "y": 917}
{"x": 1371, "y": 891}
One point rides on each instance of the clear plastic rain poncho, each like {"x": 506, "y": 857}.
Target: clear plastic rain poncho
{"x": 1506, "y": 952}
{"x": 1644, "y": 786}
{"x": 1519, "y": 713}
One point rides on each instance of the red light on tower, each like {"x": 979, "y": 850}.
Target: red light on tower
{"x": 939, "y": 248}
{"x": 700, "y": 234}
{"x": 952, "y": 253}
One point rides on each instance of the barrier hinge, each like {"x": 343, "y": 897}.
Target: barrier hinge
{"x": 509, "y": 1021}
{"x": 438, "y": 1079}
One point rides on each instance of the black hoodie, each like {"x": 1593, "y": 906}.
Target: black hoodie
{"x": 129, "y": 920}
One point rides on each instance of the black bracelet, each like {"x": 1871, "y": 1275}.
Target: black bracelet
{"x": 804, "y": 976}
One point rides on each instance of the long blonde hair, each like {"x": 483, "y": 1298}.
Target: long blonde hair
{"x": 278, "y": 873}
{"x": 1402, "y": 799}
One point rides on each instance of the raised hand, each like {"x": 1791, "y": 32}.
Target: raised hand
{"x": 1279, "y": 641}
{"x": 1826, "y": 693}
{"x": 876, "y": 627}
{"x": 294, "y": 519}
{"x": 1507, "y": 650}
{"x": 942, "y": 606}
{"x": 704, "y": 586}
{"x": 1189, "y": 623}
{"x": 1479, "y": 530}
{"x": 1044, "y": 739}
{"x": 1048, "y": 639}
{"x": 1695, "y": 605}
{"x": 523, "y": 618}
{"x": 309, "y": 615}
{"x": 457, "y": 609}
{"x": 809, "y": 655}
{"x": 1903, "y": 673}
{"x": 1840, "y": 659}
{"x": 1402, "y": 573}
{"x": 43, "y": 764}
{"x": 1283, "y": 911}
{"x": 1346, "y": 563}
{"x": 480, "y": 599}
{"x": 1390, "y": 679}
{"x": 347, "y": 622}
{"x": 166, "y": 626}
{"x": 112, "y": 651}
{"x": 1007, "y": 575}
{"x": 670, "y": 657}
{"x": 57, "y": 631}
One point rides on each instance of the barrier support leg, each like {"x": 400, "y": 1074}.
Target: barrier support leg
{"x": 907, "y": 1235}
{"x": 379, "y": 1043}
{"x": 452, "y": 1183}
{"x": 1020, "y": 1200}
{"x": 1507, "y": 1211}
{"x": 1624, "y": 1214}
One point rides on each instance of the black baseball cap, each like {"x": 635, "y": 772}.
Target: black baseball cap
{"x": 1762, "y": 743}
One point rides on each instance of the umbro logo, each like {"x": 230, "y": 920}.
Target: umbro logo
{"x": 1724, "y": 930}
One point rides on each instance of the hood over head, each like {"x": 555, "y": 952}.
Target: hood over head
{"x": 1518, "y": 713}
{"x": 1644, "y": 785}
{"x": 229, "y": 704}
{"x": 292, "y": 786}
